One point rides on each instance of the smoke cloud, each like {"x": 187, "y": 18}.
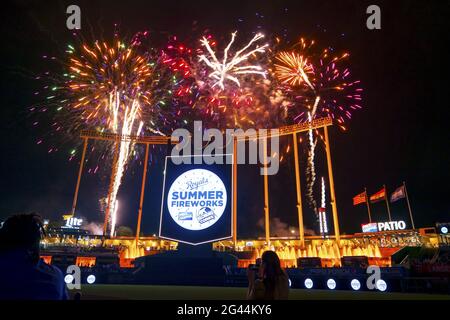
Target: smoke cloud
{"x": 279, "y": 228}
{"x": 94, "y": 228}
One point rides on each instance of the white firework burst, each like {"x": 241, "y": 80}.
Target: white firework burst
{"x": 230, "y": 67}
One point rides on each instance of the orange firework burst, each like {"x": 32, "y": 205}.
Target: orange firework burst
{"x": 110, "y": 85}
{"x": 117, "y": 87}
{"x": 101, "y": 71}
{"x": 316, "y": 83}
{"x": 292, "y": 68}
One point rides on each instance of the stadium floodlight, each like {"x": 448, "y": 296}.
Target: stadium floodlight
{"x": 309, "y": 283}
{"x": 381, "y": 285}
{"x": 91, "y": 279}
{"x": 331, "y": 284}
{"x": 68, "y": 279}
{"x": 355, "y": 284}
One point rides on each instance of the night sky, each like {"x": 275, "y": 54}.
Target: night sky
{"x": 400, "y": 135}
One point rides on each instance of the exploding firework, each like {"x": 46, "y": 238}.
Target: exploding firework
{"x": 322, "y": 212}
{"x": 105, "y": 81}
{"x": 229, "y": 87}
{"x": 293, "y": 69}
{"x": 323, "y": 201}
{"x": 232, "y": 68}
{"x": 318, "y": 84}
{"x": 114, "y": 210}
{"x": 102, "y": 80}
{"x": 311, "y": 170}
{"x": 123, "y": 89}
{"x": 315, "y": 85}
{"x": 120, "y": 88}
{"x": 111, "y": 88}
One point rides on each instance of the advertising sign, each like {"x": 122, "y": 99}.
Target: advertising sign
{"x": 369, "y": 227}
{"x": 384, "y": 226}
{"x": 196, "y": 202}
{"x": 72, "y": 222}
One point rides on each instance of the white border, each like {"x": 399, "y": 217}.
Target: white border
{"x": 163, "y": 192}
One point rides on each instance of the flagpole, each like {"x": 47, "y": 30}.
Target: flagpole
{"x": 368, "y": 206}
{"x": 387, "y": 203}
{"x": 409, "y": 206}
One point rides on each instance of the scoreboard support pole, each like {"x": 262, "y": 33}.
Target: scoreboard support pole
{"x": 234, "y": 186}
{"x": 80, "y": 171}
{"x": 141, "y": 201}
{"x": 266, "y": 195}
{"x": 111, "y": 183}
{"x": 301, "y": 229}
{"x": 332, "y": 194}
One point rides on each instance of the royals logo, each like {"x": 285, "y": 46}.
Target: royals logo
{"x": 192, "y": 185}
{"x": 197, "y": 191}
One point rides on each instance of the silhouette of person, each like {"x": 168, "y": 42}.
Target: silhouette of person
{"x": 23, "y": 275}
{"x": 269, "y": 281}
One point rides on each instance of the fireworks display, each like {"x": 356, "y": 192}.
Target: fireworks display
{"x": 315, "y": 84}
{"x": 227, "y": 86}
{"x": 111, "y": 89}
{"x": 131, "y": 88}
{"x": 108, "y": 82}
{"x": 120, "y": 89}
{"x": 231, "y": 68}
{"x": 293, "y": 69}
{"x": 311, "y": 169}
{"x": 323, "y": 201}
{"x": 322, "y": 212}
{"x": 318, "y": 83}
{"x": 114, "y": 210}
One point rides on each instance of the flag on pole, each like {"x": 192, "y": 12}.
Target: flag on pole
{"x": 380, "y": 195}
{"x": 360, "y": 198}
{"x": 399, "y": 193}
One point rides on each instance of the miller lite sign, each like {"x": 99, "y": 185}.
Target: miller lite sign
{"x": 72, "y": 222}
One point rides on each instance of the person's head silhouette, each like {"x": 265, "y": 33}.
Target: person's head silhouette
{"x": 22, "y": 232}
